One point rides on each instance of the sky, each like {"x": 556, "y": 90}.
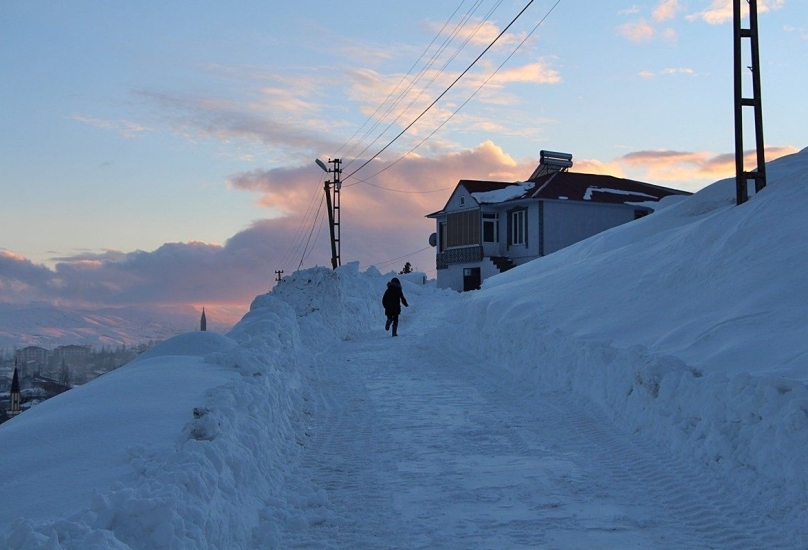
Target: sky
{"x": 643, "y": 388}
{"x": 150, "y": 152}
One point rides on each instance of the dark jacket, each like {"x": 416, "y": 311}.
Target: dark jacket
{"x": 393, "y": 298}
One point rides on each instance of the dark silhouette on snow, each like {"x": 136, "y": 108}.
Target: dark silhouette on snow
{"x": 392, "y": 300}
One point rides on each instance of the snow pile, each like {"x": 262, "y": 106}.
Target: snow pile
{"x": 510, "y": 192}
{"x": 688, "y": 325}
{"x": 193, "y": 444}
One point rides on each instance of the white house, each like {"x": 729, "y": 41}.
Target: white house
{"x": 488, "y": 227}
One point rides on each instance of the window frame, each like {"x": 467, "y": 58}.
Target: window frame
{"x": 518, "y": 227}
{"x": 463, "y": 228}
{"x": 491, "y": 219}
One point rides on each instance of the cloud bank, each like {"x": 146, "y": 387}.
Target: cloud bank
{"x": 383, "y": 211}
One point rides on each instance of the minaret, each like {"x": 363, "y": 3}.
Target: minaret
{"x": 203, "y": 322}
{"x": 14, "y": 409}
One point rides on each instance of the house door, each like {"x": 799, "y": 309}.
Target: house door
{"x": 471, "y": 278}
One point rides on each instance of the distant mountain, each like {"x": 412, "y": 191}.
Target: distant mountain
{"x": 49, "y": 326}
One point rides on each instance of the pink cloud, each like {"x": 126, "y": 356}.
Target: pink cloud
{"x": 125, "y": 128}
{"x": 684, "y": 166}
{"x": 637, "y": 31}
{"x": 536, "y": 73}
{"x": 478, "y": 32}
{"x": 721, "y": 11}
{"x": 377, "y": 225}
{"x": 666, "y": 9}
{"x": 383, "y": 224}
{"x": 264, "y": 121}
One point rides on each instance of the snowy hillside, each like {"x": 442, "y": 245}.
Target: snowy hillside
{"x": 645, "y": 388}
{"x": 50, "y": 326}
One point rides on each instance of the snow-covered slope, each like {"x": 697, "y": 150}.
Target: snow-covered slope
{"x": 684, "y": 330}
{"x": 688, "y": 326}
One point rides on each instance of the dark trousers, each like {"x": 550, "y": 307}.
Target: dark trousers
{"x": 392, "y": 320}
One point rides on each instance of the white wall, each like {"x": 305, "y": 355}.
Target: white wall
{"x": 566, "y": 223}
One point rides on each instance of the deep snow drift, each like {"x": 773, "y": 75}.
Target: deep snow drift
{"x": 685, "y": 328}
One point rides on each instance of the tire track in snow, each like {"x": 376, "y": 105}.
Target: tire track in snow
{"x": 696, "y": 503}
{"x": 694, "y": 499}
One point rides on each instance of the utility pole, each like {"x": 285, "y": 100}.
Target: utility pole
{"x": 332, "y": 189}
{"x": 742, "y": 177}
{"x": 278, "y": 273}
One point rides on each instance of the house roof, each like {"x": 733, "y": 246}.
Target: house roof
{"x": 598, "y": 188}
{"x": 478, "y": 186}
{"x": 474, "y": 186}
{"x": 562, "y": 185}
{"x": 582, "y": 187}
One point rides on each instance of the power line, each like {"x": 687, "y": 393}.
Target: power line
{"x": 300, "y": 233}
{"x": 388, "y": 262}
{"x": 440, "y": 72}
{"x": 403, "y": 78}
{"x": 411, "y": 124}
{"x": 413, "y": 192}
{"x": 405, "y": 92}
{"x": 442, "y": 124}
{"x": 317, "y": 215}
{"x": 418, "y": 77}
{"x": 306, "y": 251}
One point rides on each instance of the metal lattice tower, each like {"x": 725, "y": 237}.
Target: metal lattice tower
{"x": 335, "y": 223}
{"x": 743, "y": 177}
{"x": 332, "y": 189}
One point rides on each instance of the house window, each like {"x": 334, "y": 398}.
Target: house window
{"x": 462, "y": 201}
{"x": 490, "y": 228}
{"x": 442, "y": 236}
{"x": 518, "y": 228}
{"x": 463, "y": 228}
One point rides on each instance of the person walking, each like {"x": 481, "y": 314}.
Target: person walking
{"x": 392, "y": 300}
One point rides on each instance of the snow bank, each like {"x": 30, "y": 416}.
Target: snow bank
{"x": 217, "y": 420}
{"x": 688, "y": 326}
{"x": 337, "y": 304}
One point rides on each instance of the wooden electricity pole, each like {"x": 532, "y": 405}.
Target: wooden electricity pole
{"x": 743, "y": 177}
{"x": 332, "y": 189}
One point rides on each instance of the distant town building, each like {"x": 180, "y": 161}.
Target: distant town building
{"x": 32, "y": 354}
{"x": 31, "y": 360}
{"x": 203, "y": 322}
{"x": 70, "y": 353}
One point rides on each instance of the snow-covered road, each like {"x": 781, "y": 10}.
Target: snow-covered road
{"x": 417, "y": 445}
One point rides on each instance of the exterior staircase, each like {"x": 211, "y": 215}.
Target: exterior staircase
{"x": 503, "y": 263}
